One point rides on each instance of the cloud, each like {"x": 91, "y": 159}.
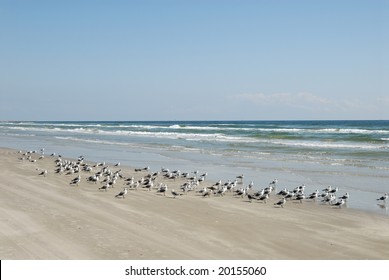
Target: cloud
{"x": 309, "y": 105}
{"x": 383, "y": 100}
{"x": 299, "y": 100}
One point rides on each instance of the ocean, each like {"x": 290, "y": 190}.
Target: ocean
{"x": 350, "y": 155}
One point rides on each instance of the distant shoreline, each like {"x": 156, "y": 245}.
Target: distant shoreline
{"x": 351, "y": 155}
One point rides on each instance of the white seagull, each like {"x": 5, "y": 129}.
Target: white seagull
{"x": 264, "y": 197}
{"x": 281, "y": 202}
{"x": 104, "y": 187}
{"x": 345, "y": 196}
{"x": 273, "y": 183}
{"x": 250, "y": 197}
{"x": 43, "y": 173}
{"x": 383, "y": 198}
{"x": 162, "y": 189}
{"x": 339, "y": 203}
{"x": 122, "y": 193}
{"x": 174, "y": 193}
{"x": 76, "y": 180}
{"x": 240, "y": 177}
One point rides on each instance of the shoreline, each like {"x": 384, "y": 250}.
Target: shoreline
{"x": 46, "y": 218}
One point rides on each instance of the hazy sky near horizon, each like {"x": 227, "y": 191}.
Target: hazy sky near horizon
{"x": 194, "y": 60}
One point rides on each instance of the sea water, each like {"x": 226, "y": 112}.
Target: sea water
{"x": 350, "y": 155}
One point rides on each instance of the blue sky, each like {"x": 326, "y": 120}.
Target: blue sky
{"x": 194, "y": 60}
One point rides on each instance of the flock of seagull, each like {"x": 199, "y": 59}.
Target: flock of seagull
{"x": 192, "y": 182}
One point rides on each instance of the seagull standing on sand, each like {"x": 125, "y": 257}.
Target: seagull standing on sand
{"x": 162, "y": 189}
{"x": 340, "y": 203}
{"x": 334, "y": 190}
{"x": 250, "y": 197}
{"x": 122, "y": 193}
{"x": 300, "y": 197}
{"x": 174, "y": 193}
{"x": 283, "y": 192}
{"x": 43, "y": 173}
{"x": 264, "y": 197}
{"x": 76, "y": 180}
{"x": 313, "y": 195}
{"x": 206, "y": 193}
{"x": 104, "y": 187}
{"x": 281, "y": 203}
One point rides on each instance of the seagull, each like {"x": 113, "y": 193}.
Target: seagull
{"x": 334, "y": 190}
{"x": 339, "y": 203}
{"x": 93, "y": 178}
{"x": 299, "y": 189}
{"x": 269, "y": 189}
{"x": 201, "y": 179}
{"x": 76, "y": 180}
{"x": 217, "y": 184}
{"x": 240, "y": 192}
{"x": 221, "y": 191}
{"x": 122, "y": 193}
{"x": 290, "y": 195}
{"x": 206, "y": 193}
{"x": 135, "y": 185}
{"x": 259, "y": 193}
{"x": 345, "y": 196}
{"x": 329, "y": 199}
{"x": 149, "y": 185}
{"x": 232, "y": 186}
{"x": 281, "y": 202}
{"x": 162, "y": 189}
{"x": 324, "y": 195}
{"x": 104, "y": 188}
{"x": 383, "y": 198}
{"x": 240, "y": 177}
{"x": 300, "y": 197}
{"x": 43, "y": 173}
{"x": 274, "y": 182}
{"x": 313, "y": 195}
{"x": 283, "y": 192}
{"x": 264, "y": 198}
{"x": 250, "y": 197}
{"x": 174, "y": 193}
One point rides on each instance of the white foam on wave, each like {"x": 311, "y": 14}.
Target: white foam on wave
{"x": 325, "y": 145}
{"x": 352, "y": 131}
{"x": 209, "y": 137}
{"x": 17, "y": 135}
{"x": 187, "y": 126}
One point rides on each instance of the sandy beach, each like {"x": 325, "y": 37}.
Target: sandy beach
{"x": 44, "y": 217}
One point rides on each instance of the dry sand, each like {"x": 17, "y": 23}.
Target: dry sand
{"x": 46, "y": 218}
